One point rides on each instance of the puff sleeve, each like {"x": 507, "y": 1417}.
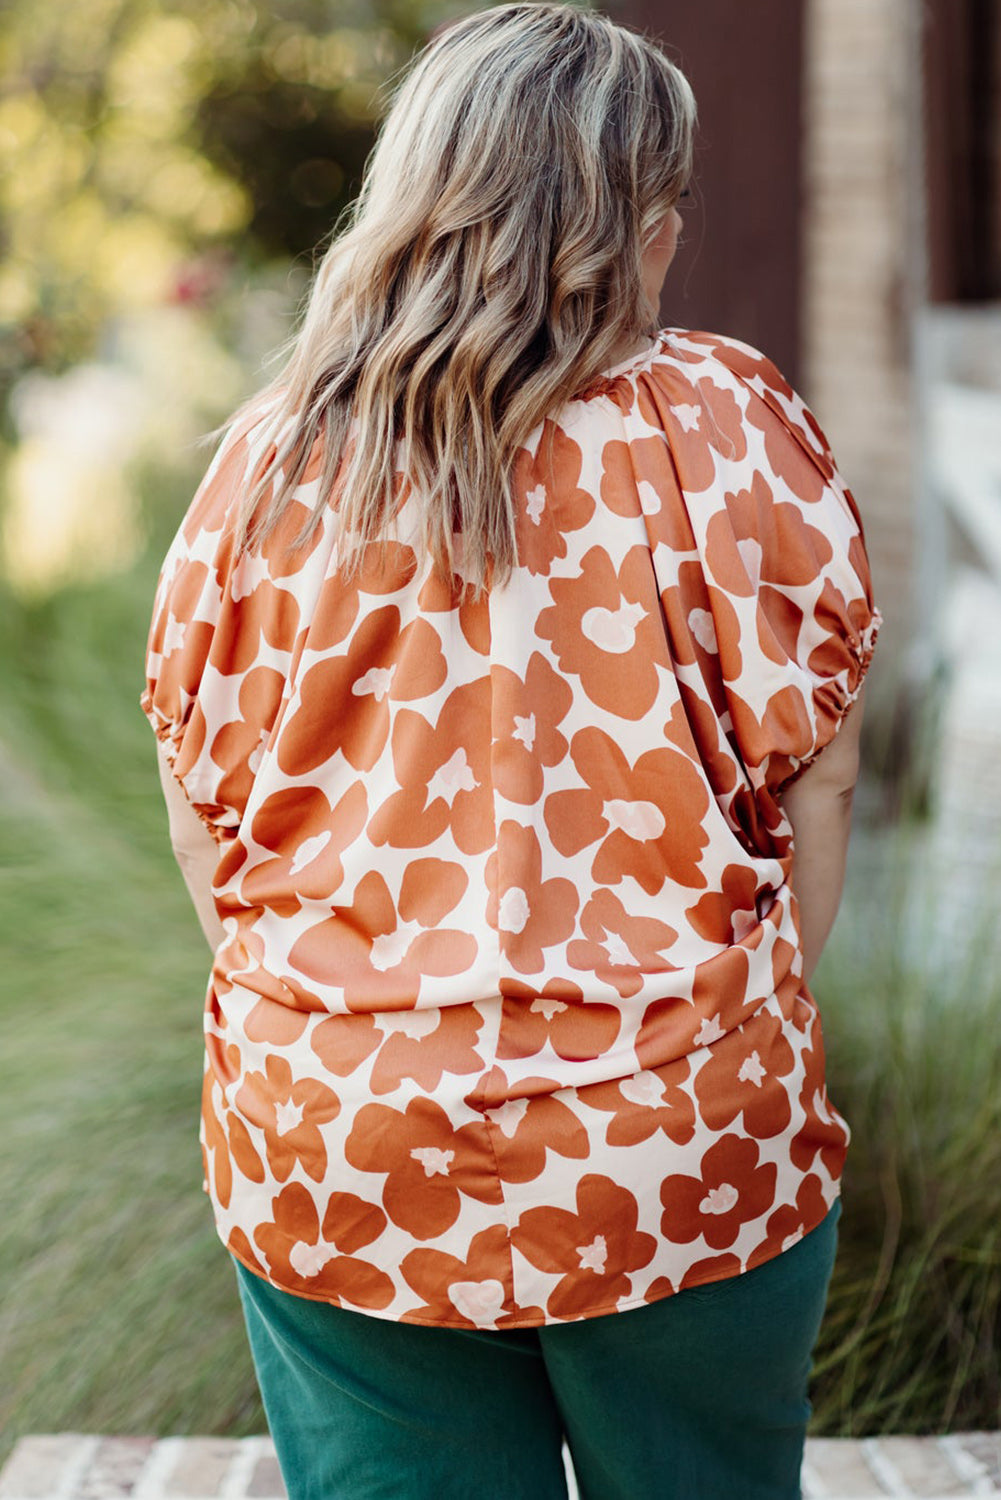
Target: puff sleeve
{"x": 782, "y": 613}
{"x": 219, "y": 644}
{"x": 808, "y": 619}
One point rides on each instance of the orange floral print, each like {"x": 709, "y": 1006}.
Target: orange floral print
{"x": 475, "y": 1292}
{"x": 617, "y": 947}
{"x": 531, "y": 914}
{"x": 526, "y": 1129}
{"x": 290, "y": 1113}
{"x": 727, "y": 916}
{"x": 504, "y": 876}
{"x": 377, "y": 959}
{"x": 604, "y": 629}
{"x": 654, "y": 834}
{"x": 428, "y": 1165}
{"x": 557, "y": 1016}
{"x": 788, "y": 1224}
{"x": 445, "y": 1043}
{"x": 444, "y": 775}
{"x": 593, "y": 1251}
{"x": 646, "y": 1103}
{"x": 744, "y": 1076}
{"x": 700, "y": 421}
{"x": 312, "y": 868}
{"x": 297, "y": 1246}
{"x": 553, "y": 504}
{"x": 239, "y": 745}
{"x": 526, "y": 738}
{"x": 731, "y": 1190}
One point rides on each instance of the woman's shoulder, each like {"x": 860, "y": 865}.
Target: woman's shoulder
{"x": 681, "y": 361}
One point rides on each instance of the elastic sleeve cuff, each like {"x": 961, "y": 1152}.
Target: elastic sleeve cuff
{"x": 208, "y": 813}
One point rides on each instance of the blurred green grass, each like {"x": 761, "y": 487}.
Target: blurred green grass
{"x": 118, "y": 1308}
{"x": 118, "y": 1311}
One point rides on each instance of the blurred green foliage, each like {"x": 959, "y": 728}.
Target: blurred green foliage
{"x": 150, "y": 143}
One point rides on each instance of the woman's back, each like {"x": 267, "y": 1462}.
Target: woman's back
{"x": 512, "y": 963}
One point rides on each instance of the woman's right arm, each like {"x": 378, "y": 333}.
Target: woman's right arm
{"x": 819, "y": 807}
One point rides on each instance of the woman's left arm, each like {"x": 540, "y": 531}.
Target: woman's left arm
{"x": 195, "y": 850}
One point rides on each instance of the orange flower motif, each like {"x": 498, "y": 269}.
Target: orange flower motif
{"x": 710, "y": 1269}
{"x": 575, "y": 1029}
{"x": 526, "y": 1128}
{"x": 776, "y": 737}
{"x": 444, "y": 775}
{"x": 620, "y": 949}
{"x": 718, "y": 1002}
{"x": 548, "y": 499}
{"x": 226, "y": 1142}
{"x": 645, "y": 1103}
{"x": 757, "y": 539}
{"x": 385, "y": 567}
{"x": 304, "y": 1256}
{"x": 342, "y": 1043}
{"x": 275, "y": 1024}
{"x": 240, "y": 744}
{"x": 375, "y": 957}
{"x": 731, "y": 914}
{"x": 334, "y": 614}
{"x": 842, "y": 622}
{"x": 822, "y": 1133}
{"x": 702, "y": 627}
{"x": 263, "y": 613}
{"x": 789, "y": 1224}
{"x": 713, "y": 1205}
{"x": 789, "y": 452}
{"x": 282, "y": 560}
{"x": 648, "y": 816}
{"x": 743, "y": 1077}
{"x": 361, "y": 684}
{"x": 427, "y": 1164}
{"x": 693, "y": 727}
{"x": 639, "y": 477}
{"x": 700, "y": 420}
{"x": 594, "y": 1250}
{"x": 530, "y": 913}
{"x": 744, "y": 360}
{"x": 454, "y": 597}
{"x": 290, "y": 1114}
{"x": 308, "y": 837}
{"x": 526, "y": 713}
{"x": 475, "y": 1293}
{"x": 445, "y": 1043}
{"x": 605, "y": 628}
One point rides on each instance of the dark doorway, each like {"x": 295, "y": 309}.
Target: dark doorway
{"x": 738, "y": 269}
{"x": 962, "y": 140}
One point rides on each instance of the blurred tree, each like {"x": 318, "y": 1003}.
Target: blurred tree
{"x": 148, "y": 144}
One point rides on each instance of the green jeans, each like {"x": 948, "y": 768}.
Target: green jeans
{"x": 701, "y": 1396}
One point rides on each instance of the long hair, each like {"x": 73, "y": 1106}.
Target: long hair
{"x": 488, "y": 269}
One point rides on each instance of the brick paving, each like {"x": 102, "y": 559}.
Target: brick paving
{"x": 73, "y": 1466}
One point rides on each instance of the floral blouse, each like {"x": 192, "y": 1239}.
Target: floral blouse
{"x": 508, "y": 1024}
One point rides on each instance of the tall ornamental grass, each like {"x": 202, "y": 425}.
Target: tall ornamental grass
{"x": 912, "y": 1020}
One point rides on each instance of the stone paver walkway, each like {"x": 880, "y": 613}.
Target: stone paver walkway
{"x": 70, "y": 1466}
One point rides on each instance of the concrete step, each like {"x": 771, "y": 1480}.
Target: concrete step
{"x": 75, "y": 1466}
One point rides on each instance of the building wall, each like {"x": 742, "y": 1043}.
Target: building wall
{"x": 863, "y": 279}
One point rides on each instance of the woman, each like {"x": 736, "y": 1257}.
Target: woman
{"x": 500, "y": 665}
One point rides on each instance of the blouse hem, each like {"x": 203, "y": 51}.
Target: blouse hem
{"x": 514, "y": 1321}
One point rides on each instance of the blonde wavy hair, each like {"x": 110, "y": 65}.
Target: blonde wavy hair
{"x": 489, "y": 269}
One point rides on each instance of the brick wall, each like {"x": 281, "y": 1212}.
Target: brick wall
{"x": 863, "y": 276}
